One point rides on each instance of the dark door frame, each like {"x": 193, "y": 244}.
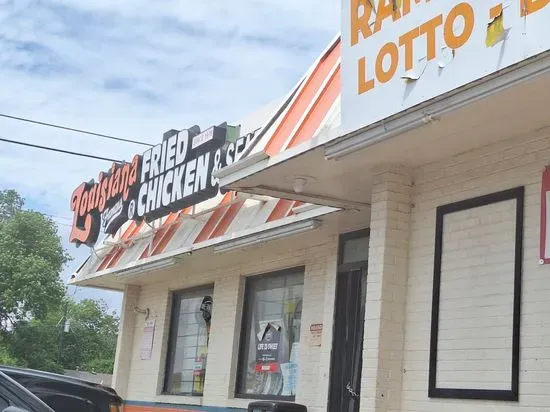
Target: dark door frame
{"x": 346, "y": 267}
{"x": 342, "y": 269}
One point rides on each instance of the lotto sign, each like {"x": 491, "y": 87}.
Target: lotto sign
{"x": 399, "y": 53}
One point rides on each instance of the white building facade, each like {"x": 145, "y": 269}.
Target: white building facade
{"x": 382, "y": 245}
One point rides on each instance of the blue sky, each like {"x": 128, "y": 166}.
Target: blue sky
{"x": 134, "y": 69}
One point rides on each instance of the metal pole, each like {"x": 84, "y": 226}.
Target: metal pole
{"x": 62, "y": 333}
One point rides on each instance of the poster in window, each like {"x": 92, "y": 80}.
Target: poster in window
{"x": 267, "y": 348}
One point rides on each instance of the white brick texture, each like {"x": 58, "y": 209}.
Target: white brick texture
{"x": 386, "y": 290}
{"x": 399, "y": 294}
{"x": 477, "y": 298}
{"x": 123, "y": 358}
{"x": 515, "y": 162}
{"x": 317, "y": 252}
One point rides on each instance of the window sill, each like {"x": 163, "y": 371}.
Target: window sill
{"x": 180, "y": 399}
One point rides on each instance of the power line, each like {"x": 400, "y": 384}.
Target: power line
{"x": 57, "y": 217}
{"x": 71, "y": 129}
{"x": 53, "y": 149}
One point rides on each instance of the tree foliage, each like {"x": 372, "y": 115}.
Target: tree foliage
{"x": 10, "y": 203}
{"x": 89, "y": 344}
{"x": 33, "y": 301}
{"x": 31, "y": 259}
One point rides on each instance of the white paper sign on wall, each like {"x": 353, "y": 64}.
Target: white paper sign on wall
{"x": 147, "y": 339}
{"x": 400, "y": 53}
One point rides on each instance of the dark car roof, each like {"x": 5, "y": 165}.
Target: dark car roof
{"x": 21, "y": 396}
{"x": 57, "y": 377}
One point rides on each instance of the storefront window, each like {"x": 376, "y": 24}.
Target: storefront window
{"x": 189, "y": 333}
{"x": 268, "y": 363}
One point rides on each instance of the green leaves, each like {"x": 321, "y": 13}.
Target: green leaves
{"x": 89, "y": 345}
{"x": 31, "y": 259}
{"x": 10, "y": 203}
{"x": 33, "y": 297}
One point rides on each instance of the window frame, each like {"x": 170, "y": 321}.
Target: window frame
{"x": 512, "y": 394}
{"x": 343, "y": 239}
{"x": 244, "y": 334}
{"x": 172, "y": 337}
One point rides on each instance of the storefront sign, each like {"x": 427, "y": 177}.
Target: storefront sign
{"x": 545, "y": 218}
{"x": 147, "y": 340}
{"x": 399, "y": 53}
{"x": 168, "y": 177}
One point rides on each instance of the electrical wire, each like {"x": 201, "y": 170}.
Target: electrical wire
{"x": 53, "y": 149}
{"x": 57, "y": 217}
{"x": 71, "y": 129}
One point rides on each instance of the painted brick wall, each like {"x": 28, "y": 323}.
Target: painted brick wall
{"x": 477, "y": 298}
{"x": 386, "y": 290}
{"x": 123, "y": 358}
{"x": 317, "y": 251}
{"x": 497, "y": 167}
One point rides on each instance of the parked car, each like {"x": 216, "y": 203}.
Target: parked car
{"x": 15, "y": 398}
{"x": 66, "y": 394}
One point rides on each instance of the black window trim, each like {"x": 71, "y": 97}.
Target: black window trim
{"x": 244, "y": 334}
{"x": 344, "y": 237}
{"x": 517, "y": 194}
{"x": 172, "y": 337}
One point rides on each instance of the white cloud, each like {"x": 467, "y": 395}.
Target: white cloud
{"x": 136, "y": 68}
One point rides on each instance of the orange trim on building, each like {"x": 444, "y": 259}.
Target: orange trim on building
{"x": 210, "y": 226}
{"x": 296, "y": 204}
{"x": 281, "y": 210}
{"x": 169, "y": 233}
{"x": 318, "y": 112}
{"x": 106, "y": 262}
{"x": 120, "y": 250}
{"x": 159, "y": 235}
{"x": 302, "y": 101}
{"x": 304, "y": 115}
{"x": 226, "y": 220}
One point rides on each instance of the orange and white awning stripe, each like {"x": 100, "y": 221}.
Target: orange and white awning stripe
{"x": 298, "y": 121}
{"x": 311, "y": 104}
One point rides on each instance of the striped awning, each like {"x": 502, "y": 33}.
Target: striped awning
{"x": 311, "y": 105}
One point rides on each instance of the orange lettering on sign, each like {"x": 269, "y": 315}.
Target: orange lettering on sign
{"x": 407, "y": 41}
{"x": 428, "y": 29}
{"x": 407, "y": 6}
{"x": 79, "y": 234}
{"x": 495, "y": 11}
{"x": 389, "y": 49}
{"x": 364, "y": 85}
{"x": 465, "y": 11}
{"x": 532, "y": 6}
{"x": 360, "y": 24}
{"x": 387, "y": 60}
{"x": 384, "y": 11}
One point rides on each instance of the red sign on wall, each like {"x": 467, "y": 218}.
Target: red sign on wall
{"x": 545, "y": 217}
